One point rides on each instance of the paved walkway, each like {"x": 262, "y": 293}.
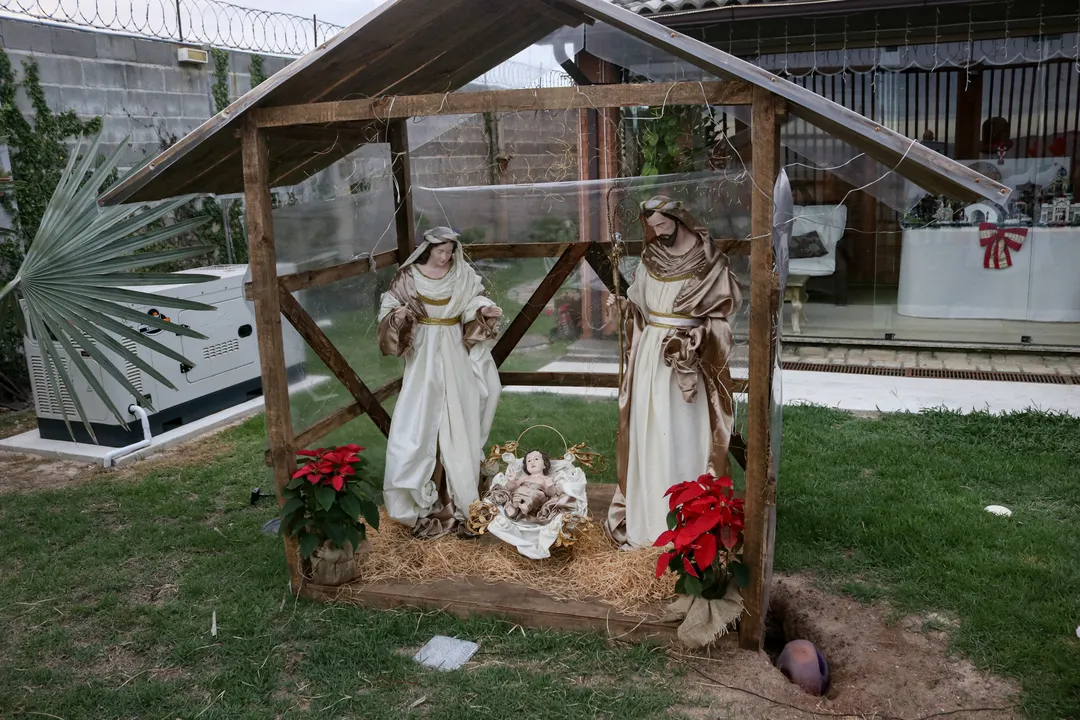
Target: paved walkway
{"x": 1013, "y": 362}
{"x": 585, "y": 350}
{"x": 871, "y": 393}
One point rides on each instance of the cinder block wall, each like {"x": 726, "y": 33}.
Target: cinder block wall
{"x": 135, "y": 85}
{"x": 144, "y": 94}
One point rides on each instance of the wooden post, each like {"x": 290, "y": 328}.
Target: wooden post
{"x": 598, "y": 153}
{"x": 264, "y": 293}
{"x": 398, "y": 137}
{"x": 766, "y": 153}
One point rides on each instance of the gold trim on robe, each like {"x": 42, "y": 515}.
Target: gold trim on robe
{"x": 442, "y": 322}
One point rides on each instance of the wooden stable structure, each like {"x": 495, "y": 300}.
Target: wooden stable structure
{"x": 403, "y": 60}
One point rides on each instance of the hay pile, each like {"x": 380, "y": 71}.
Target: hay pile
{"x": 592, "y": 569}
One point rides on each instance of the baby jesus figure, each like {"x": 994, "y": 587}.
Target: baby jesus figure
{"x": 528, "y": 493}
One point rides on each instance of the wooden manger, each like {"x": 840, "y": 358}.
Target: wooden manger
{"x": 402, "y": 61}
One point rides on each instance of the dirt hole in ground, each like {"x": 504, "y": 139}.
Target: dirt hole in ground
{"x": 785, "y": 623}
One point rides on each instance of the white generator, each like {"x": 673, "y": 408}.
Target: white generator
{"x": 226, "y": 368}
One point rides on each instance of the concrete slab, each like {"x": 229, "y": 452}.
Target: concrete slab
{"x": 32, "y": 443}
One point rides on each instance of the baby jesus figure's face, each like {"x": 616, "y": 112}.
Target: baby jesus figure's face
{"x": 534, "y": 464}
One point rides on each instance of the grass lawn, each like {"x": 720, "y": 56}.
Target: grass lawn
{"x": 107, "y": 588}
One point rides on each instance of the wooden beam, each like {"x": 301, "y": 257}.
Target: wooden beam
{"x": 398, "y": 137}
{"x": 341, "y": 417}
{"x": 560, "y": 379}
{"x": 766, "y": 157}
{"x": 504, "y": 251}
{"x": 306, "y": 279}
{"x": 351, "y": 134}
{"x": 539, "y": 300}
{"x": 579, "y": 380}
{"x": 263, "y": 260}
{"x": 335, "y": 361}
{"x": 600, "y": 262}
{"x": 472, "y": 597}
{"x": 559, "y": 13}
{"x": 493, "y": 251}
{"x": 470, "y": 103}
{"x": 737, "y": 446}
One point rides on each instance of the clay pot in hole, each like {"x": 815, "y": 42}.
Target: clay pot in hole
{"x": 803, "y": 664}
{"x": 336, "y": 566}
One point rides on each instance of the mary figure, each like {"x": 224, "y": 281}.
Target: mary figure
{"x": 436, "y": 316}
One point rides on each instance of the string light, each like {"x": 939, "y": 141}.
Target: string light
{"x": 967, "y": 65}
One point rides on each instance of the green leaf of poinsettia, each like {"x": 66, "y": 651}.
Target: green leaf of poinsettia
{"x": 353, "y": 536}
{"x": 371, "y": 513}
{"x": 291, "y": 506}
{"x": 308, "y": 543}
{"x": 325, "y": 497}
{"x": 741, "y": 573}
{"x": 672, "y": 520}
{"x": 335, "y": 532}
{"x": 350, "y": 506}
{"x": 692, "y": 586}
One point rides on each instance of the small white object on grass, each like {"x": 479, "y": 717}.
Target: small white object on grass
{"x": 213, "y": 623}
{"x": 446, "y": 653}
{"x": 1078, "y": 631}
{"x": 999, "y": 510}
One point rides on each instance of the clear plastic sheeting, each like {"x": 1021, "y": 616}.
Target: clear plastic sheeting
{"x": 575, "y": 332}
{"x": 813, "y": 147}
{"x": 642, "y": 59}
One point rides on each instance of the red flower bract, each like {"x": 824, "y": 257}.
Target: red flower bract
{"x": 708, "y": 528}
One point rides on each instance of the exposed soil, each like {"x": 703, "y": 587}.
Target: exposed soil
{"x": 878, "y": 669}
{"x": 31, "y": 473}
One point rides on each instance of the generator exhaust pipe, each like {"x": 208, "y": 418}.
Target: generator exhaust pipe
{"x": 113, "y": 455}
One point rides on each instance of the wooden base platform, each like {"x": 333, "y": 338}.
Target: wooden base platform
{"x": 514, "y": 603}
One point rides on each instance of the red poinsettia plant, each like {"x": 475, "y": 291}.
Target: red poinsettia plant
{"x": 706, "y": 532}
{"x": 329, "y": 498}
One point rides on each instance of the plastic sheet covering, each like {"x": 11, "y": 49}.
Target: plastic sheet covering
{"x": 642, "y": 59}
{"x": 575, "y": 332}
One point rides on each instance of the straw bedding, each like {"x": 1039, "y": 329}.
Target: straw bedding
{"x": 593, "y": 569}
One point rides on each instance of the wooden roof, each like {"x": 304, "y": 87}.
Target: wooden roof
{"x": 411, "y": 47}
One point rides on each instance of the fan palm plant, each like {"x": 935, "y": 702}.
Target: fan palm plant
{"x": 74, "y": 284}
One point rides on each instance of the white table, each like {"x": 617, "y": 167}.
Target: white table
{"x": 942, "y": 276}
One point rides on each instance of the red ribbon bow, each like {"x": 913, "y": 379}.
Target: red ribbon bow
{"x": 999, "y": 242}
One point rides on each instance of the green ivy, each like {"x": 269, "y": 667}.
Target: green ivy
{"x": 664, "y": 146}
{"x": 38, "y": 155}
{"x": 258, "y": 72}
{"x": 220, "y": 88}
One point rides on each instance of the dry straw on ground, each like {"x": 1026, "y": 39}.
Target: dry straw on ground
{"x": 592, "y": 569}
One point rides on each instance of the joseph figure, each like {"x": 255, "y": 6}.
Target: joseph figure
{"x": 675, "y": 403}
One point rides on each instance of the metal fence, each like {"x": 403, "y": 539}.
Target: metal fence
{"x": 209, "y": 22}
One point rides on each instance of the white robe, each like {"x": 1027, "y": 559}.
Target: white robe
{"x": 670, "y": 438}
{"x": 448, "y": 395}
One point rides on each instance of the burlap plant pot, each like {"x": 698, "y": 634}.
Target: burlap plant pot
{"x": 705, "y": 621}
{"x": 336, "y": 566}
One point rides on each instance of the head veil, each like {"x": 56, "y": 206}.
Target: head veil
{"x": 438, "y": 236}
{"x": 464, "y": 281}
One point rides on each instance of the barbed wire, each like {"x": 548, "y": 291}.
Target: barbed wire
{"x": 225, "y": 25}
{"x": 212, "y": 22}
